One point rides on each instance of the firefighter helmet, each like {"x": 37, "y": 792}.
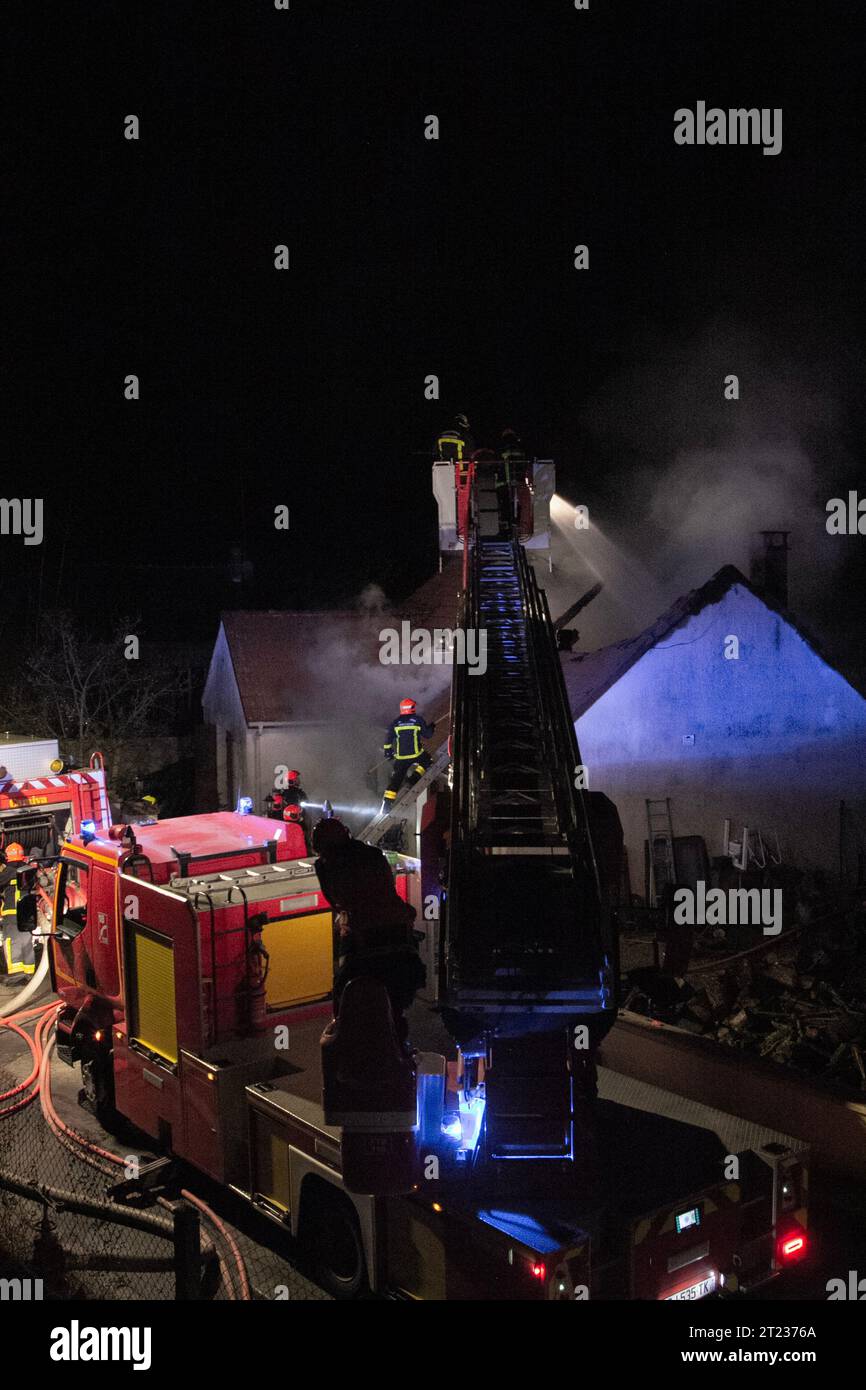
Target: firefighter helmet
{"x": 407, "y": 707}
{"x": 15, "y": 853}
{"x": 292, "y": 812}
{"x": 329, "y": 835}
{"x": 293, "y": 776}
{"x": 461, "y": 422}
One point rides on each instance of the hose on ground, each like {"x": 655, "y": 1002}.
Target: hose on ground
{"x": 16, "y": 1003}
{"x": 107, "y": 1162}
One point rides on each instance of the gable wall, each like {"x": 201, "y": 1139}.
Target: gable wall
{"x": 779, "y": 737}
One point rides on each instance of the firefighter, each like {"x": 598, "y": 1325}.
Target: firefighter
{"x": 513, "y": 455}
{"x": 376, "y": 938}
{"x": 18, "y": 957}
{"x": 292, "y": 794}
{"x": 456, "y": 444}
{"x": 295, "y": 821}
{"x": 512, "y": 451}
{"x": 403, "y": 748}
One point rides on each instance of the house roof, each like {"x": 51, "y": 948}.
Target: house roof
{"x": 435, "y": 602}
{"x": 279, "y": 659}
{"x": 588, "y": 675}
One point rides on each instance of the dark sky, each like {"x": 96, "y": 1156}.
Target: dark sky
{"x": 408, "y": 257}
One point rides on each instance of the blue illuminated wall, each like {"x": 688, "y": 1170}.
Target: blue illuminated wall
{"x": 779, "y": 738}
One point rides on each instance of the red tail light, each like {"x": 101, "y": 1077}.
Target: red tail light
{"x": 792, "y": 1247}
{"x": 539, "y": 1271}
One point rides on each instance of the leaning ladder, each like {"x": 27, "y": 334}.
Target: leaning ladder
{"x": 660, "y": 847}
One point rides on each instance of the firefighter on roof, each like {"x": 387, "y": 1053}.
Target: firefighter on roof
{"x": 18, "y": 959}
{"x": 456, "y": 444}
{"x": 403, "y": 747}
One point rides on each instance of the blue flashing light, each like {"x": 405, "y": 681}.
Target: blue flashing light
{"x": 88, "y": 827}
{"x": 245, "y": 805}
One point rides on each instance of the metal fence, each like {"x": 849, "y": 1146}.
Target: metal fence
{"x": 60, "y": 1224}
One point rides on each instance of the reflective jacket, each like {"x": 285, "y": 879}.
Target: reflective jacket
{"x": 403, "y": 737}
{"x": 455, "y": 444}
{"x": 17, "y": 947}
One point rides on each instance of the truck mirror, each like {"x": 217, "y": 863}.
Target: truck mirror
{"x": 25, "y": 912}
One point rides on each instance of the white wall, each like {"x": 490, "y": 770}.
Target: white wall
{"x": 779, "y": 737}
{"x": 332, "y": 758}
{"x": 327, "y": 767}
{"x": 222, "y": 708}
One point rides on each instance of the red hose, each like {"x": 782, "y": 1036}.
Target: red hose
{"x": 227, "y": 1237}
{"x": 97, "y": 1157}
{"x": 14, "y": 1024}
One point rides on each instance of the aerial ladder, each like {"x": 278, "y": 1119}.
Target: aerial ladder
{"x": 528, "y": 967}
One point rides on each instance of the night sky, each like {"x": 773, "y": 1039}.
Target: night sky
{"x": 408, "y": 257}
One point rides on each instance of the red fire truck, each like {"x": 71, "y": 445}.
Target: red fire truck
{"x": 42, "y": 797}
{"x": 184, "y": 1026}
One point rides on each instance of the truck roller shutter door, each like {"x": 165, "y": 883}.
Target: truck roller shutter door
{"x": 154, "y": 1020}
{"x": 301, "y": 951}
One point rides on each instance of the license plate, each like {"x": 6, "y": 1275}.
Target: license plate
{"x": 706, "y": 1286}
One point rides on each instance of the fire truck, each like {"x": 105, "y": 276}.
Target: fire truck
{"x": 194, "y": 959}
{"x": 42, "y": 796}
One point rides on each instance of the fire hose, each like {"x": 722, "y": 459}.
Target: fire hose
{"x": 38, "y": 1082}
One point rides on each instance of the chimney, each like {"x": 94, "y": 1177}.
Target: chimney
{"x": 770, "y": 567}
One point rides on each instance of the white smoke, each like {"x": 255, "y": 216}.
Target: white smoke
{"x": 682, "y": 479}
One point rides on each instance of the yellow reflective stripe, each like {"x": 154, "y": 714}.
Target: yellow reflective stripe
{"x": 408, "y": 729}
{"x": 451, "y": 439}
{"x": 91, "y": 854}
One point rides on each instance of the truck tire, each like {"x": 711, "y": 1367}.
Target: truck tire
{"x": 332, "y": 1243}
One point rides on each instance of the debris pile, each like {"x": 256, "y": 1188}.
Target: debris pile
{"x": 801, "y": 1002}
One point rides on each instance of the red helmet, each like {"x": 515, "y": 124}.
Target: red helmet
{"x": 407, "y": 706}
{"x": 15, "y": 853}
{"x": 293, "y": 812}
{"x": 293, "y": 776}
{"x": 329, "y": 834}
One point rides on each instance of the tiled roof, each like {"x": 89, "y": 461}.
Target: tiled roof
{"x": 278, "y": 659}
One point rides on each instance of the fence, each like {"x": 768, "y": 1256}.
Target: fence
{"x": 61, "y": 1224}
